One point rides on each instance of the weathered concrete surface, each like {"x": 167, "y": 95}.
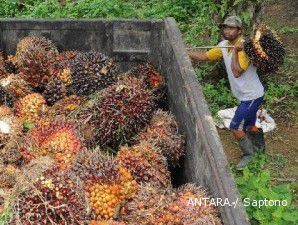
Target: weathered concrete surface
{"x": 130, "y": 42}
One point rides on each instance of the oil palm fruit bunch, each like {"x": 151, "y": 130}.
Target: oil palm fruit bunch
{"x": 120, "y": 111}
{"x": 106, "y": 222}
{"x": 170, "y": 206}
{"x": 163, "y": 132}
{"x": 151, "y": 78}
{"x": 15, "y": 85}
{"x": 107, "y": 185}
{"x": 91, "y": 71}
{"x": 8, "y": 175}
{"x": 35, "y": 55}
{"x": 143, "y": 208}
{"x": 145, "y": 163}
{"x": 61, "y": 68}
{"x": 30, "y": 108}
{"x": 54, "y": 137}
{"x": 54, "y": 91}
{"x": 108, "y": 189}
{"x": 6, "y": 98}
{"x": 265, "y": 50}
{"x": 10, "y": 154}
{"x": 52, "y": 199}
{"x": 66, "y": 105}
{"x": 10, "y": 65}
{"x": 183, "y": 210}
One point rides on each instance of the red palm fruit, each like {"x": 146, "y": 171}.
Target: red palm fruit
{"x": 163, "y": 132}
{"x": 145, "y": 163}
{"x": 34, "y": 56}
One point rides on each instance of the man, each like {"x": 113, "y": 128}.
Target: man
{"x": 245, "y": 86}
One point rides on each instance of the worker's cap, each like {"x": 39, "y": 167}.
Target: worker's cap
{"x": 232, "y": 21}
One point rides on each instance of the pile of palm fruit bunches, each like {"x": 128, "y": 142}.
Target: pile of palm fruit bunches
{"x": 83, "y": 143}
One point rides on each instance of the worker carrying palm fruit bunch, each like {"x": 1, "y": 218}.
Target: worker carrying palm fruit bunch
{"x": 245, "y": 85}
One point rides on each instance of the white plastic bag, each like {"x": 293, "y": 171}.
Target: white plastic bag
{"x": 264, "y": 120}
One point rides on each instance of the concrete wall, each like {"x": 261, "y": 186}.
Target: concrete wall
{"x": 205, "y": 162}
{"x": 130, "y": 42}
{"x": 127, "y": 41}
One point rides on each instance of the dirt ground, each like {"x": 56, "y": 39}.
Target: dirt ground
{"x": 282, "y": 143}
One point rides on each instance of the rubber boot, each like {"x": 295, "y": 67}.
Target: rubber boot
{"x": 248, "y": 150}
{"x": 257, "y": 139}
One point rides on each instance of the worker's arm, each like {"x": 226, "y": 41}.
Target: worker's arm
{"x": 197, "y": 56}
{"x": 240, "y": 61}
{"x": 211, "y": 55}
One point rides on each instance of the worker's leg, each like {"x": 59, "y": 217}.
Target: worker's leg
{"x": 245, "y": 143}
{"x": 255, "y": 134}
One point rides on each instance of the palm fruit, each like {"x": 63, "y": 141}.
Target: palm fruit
{"x": 109, "y": 222}
{"x": 8, "y": 175}
{"x": 56, "y": 138}
{"x": 10, "y": 127}
{"x": 91, "y": 72}
{"x": 153, "y": 206}
{"x": 10, "y": 154}
{"x": 54, "y": 91}
{"x": 143, "y": 208}
{"x": 52, "y": 199}
{"x": 151, "y": 78}
{"x": 108, "y": 185}
{"x": 185, "y": 209}
{"x": 34, "y": 57}
{"x": 120, "y": 111}
{"x": 163, "y": 132}
{"x": 11, "y": 65}
{"x": 6, "y": 98}
{"x": 61, "y": 68}
{"x": 15, "y": 85}
{"x": 30, "y": 108}
{"x": 265, "y": 50}
{"x": 145, "y": 163}
{"x": 66, "y": 105}
{"x": 106, "y": 196}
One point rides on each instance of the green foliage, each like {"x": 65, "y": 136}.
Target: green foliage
{"x": 254, "y": 185}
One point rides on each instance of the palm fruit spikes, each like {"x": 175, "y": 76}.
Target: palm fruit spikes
{"x": 61, "y": 68}
{"x": 91, "y": 72}
{"x": 15, "y": 85}
{"x": 34, "y": 57}
{"x": 54, "y": 91}
{"x": 66, "y": 105}
{"x": 142, "y": 210}
{"x": 265, "y": 50}
{"x": 145, "y": 163}
{"x": 120, "y": 111}
{"x": 184, "y": 208}
{"x": 30, "y": 108}
{"x": 52, "y": 199}
{"x": 154, "y": 206}
{"x": 150, "y": 76}
{"x": 56, "y": 138}
{"x": 163, "y": 132}
{"x": 8, "y": 175}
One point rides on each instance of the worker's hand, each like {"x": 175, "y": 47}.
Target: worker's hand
{"x": 239, "y": 47}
